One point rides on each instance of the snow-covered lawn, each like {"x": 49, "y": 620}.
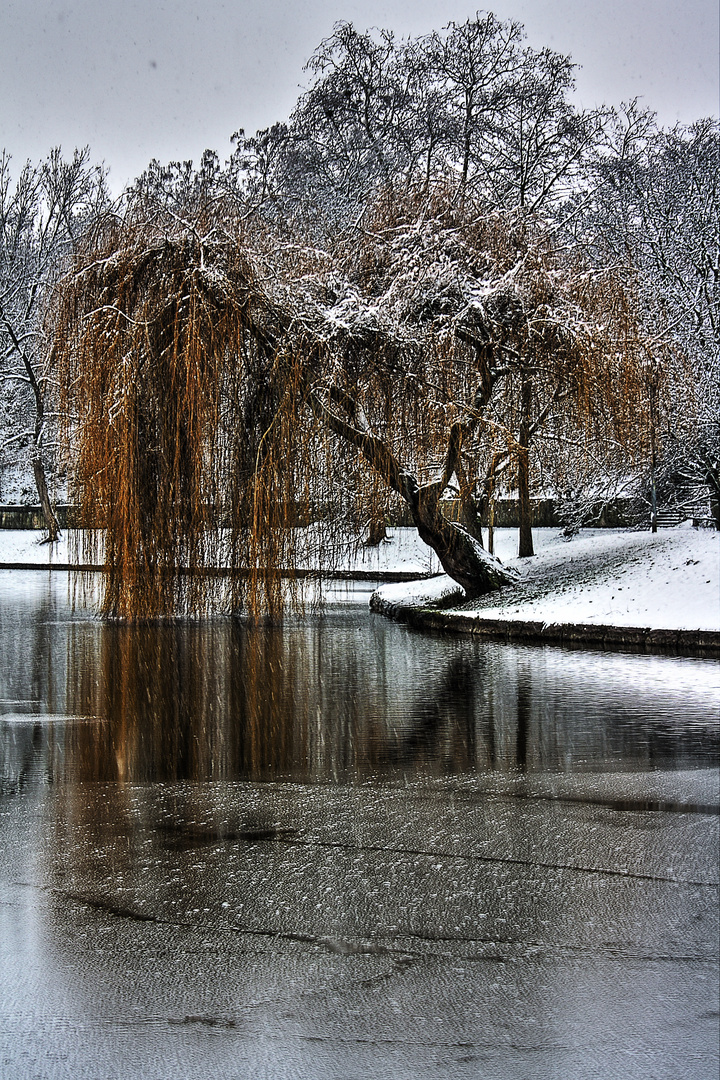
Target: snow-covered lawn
{"x": 669, "y": 581}
{"x": 404, "y": 553}
{"x": 611, "y": 577}
{"x": 23, "y": 546}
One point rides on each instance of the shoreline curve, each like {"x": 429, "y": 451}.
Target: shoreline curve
{"x": 704, "y": 644}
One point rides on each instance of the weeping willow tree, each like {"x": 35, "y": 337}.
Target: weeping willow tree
{"x": 236, "y": 395}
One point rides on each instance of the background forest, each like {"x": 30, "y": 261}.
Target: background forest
{"x": 437, "y": 283}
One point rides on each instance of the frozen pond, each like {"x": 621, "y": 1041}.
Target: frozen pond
{"x": 344, "y": 849}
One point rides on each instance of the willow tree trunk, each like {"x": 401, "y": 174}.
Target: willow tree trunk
{"x": 460, "y": 554}
{"x": 377, "y": 532}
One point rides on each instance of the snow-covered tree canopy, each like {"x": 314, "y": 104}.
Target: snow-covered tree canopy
{"x": 471, "y": 106}
{"x": 42, "y": 211}
{"x": 660, "y": 208}
{"x": 226, "y": 382}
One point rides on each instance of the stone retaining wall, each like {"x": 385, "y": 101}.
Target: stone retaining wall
{"x": 14, "y": 516}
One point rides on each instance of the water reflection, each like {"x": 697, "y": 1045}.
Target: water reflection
{"x": 496, "y": 857}
{"x": 334, "y": 696}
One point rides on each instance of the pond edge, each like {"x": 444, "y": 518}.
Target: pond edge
{"x": 696, "y": 643}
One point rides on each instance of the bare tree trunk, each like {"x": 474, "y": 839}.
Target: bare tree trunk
{"x": 653, "y": 462}
{"x": 472, "y": 519}
{"x": 715, "y": 512}
{"x": 712, "y": 479}
{"x": 470, "y": 512}
{"x": 525, "y": 548}
{"x": 51, "y": 522}
{"x": 496, "y": 464}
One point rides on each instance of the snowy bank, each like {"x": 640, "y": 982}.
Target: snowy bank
{"x": 403, "y": 556}
{"x": 604, "y": 586}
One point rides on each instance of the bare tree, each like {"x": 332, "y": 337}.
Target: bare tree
{"x": 538, "y": 149}
{"x": 655, "y": 206}
{"x": 41, "y": 216}
{"x": 477, "y": 63}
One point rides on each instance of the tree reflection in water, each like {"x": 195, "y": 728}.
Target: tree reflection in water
{"x": 348, "y": 695}
{"x": 339, "y": 696}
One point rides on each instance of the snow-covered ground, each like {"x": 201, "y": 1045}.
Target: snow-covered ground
{"x": 612, "y": 577}
{"x": 669, "y": 581}
{"x": 405, "y": 552}
{"x": 23, "y": 546}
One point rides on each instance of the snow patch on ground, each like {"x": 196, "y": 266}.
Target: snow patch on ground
{"x": 403, "y": 552}
{"x": 666, "y": 581}
{"x": 24, "y": 546}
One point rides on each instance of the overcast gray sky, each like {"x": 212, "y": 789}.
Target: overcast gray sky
{"x": 137, "y": 79}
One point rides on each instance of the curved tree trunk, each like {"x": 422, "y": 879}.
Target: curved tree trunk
{"x": 460, "y": 555}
